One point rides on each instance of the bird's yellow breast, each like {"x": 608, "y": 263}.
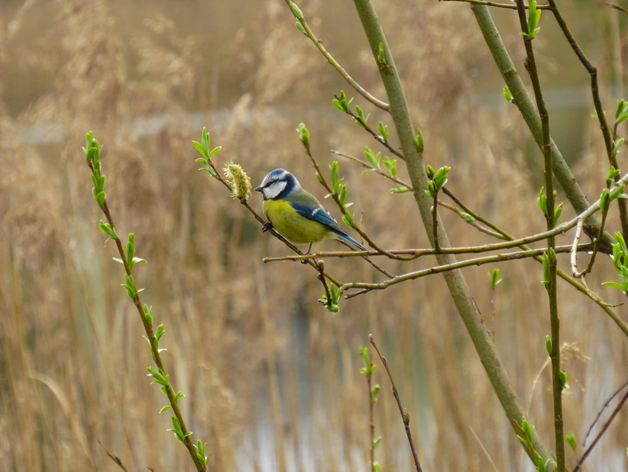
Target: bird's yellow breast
{"x": 293, "y": 226}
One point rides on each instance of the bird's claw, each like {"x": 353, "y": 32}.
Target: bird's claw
{"x": 266, "y": 227}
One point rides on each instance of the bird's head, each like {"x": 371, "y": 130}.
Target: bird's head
{"x": 278, "y": 184}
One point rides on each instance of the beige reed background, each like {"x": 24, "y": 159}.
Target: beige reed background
{"x": 272, "y": 379}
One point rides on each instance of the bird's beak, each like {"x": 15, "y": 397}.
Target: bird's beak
{"x": 259, "y": 189}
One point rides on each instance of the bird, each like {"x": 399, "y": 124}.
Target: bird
{"x": 296, "y": 213}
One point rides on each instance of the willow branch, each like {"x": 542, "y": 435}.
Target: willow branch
{"x": 319, "y": 45}
{"x": 154, "y": 344}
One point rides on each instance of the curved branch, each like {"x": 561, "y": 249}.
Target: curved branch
{"x": 319, "y": 45}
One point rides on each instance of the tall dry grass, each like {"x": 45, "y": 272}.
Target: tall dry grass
{"x": 271, "y": 379}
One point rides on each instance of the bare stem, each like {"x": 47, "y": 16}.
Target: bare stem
{"x": 371, "y": 420}
{"x": 602, "y": 409}
{"x": 435, "y": 221}
{"x": 405, "y": 417}
{"x": 321, "y": 276}
{"x": 615, "y": 6}
{"x": 319, "y": 45}
{"x": 546, "y": 148}
{"x": 602, "y": 431}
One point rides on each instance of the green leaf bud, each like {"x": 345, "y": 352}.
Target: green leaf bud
{"x": 296, "y": 10}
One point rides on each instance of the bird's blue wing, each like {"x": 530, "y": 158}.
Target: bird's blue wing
{"x": 321, "y": 215}
{"x": 317, "y": 214}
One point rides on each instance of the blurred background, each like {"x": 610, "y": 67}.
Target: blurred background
{"x": 271, "y": 379}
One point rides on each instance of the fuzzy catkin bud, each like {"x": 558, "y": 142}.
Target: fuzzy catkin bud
{"x": 240, "y": 182}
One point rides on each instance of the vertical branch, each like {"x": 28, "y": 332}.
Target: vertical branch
{"x": 435, "y": 222}
{"x": 597, "y": 102}
{"x": 371, "y": 420}
{"x": 456, "y": 283}
{"x": 529, "y": 31}
{"x": 530, "y": 114}
{"x": 92, "y": 154}
{"x": 402, "y": 411}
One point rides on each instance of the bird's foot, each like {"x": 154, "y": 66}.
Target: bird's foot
{"x": 267, "y": 226}
{"x": 304, "y": 261}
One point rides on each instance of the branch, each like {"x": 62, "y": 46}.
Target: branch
{"x": 402, "y": 411}
{"x": 319, "y": 45}
{"x": 602, "y": 431}
{"x": 550, "y": 279}
{"x": 459, "y": 265}
{"x": 341, "y": 206}
{"x": 603, "y": 408}
{"x": 615, "y": 6}
{"x": 114, "y": 458}
{"x": 595, "y": 91}
{"x": 510, "y": 6}
{"x": 413, "y": 153}
{"x": 369, "y": 130}
{"x": 530, "y": 114}
{"x": 92, "y": 154}
{"x": 217, "y": 175}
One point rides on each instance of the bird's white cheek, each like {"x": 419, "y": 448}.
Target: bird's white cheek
{"x": 273, "y": 190}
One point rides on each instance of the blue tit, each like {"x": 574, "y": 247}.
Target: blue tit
{"x": 297, "y": 214}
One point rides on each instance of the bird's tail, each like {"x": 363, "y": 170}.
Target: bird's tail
{"x": 353, "y": 242}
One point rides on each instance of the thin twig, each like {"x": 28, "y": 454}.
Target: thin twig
{"x": 402, "y": 411}
{"x": 321, "y": 276}
{"x": 150, "y": 334}
{"x": 510, "y": 6}
{"x": 574, "y": 252}
{"x": 319, "y": 45}
{"x": 602, "y": 431}
{"x": 615, "y": 6}
{"x": 435, "y": 220}
{"x": 600, "y": 233}
{"x": 369, "y": 130}
{"x": 369, "y": 376}
{"x": 546, "y": 148}
{"x": 366, "y": 258}
{"x": 471, "y": 221}
{"x": 584, "y": 443}
{"x": 457, "y": 265}
{"x": 595, "y": 91}
{"x": 115, "y": 459}
{"x": 378, "y": 171}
